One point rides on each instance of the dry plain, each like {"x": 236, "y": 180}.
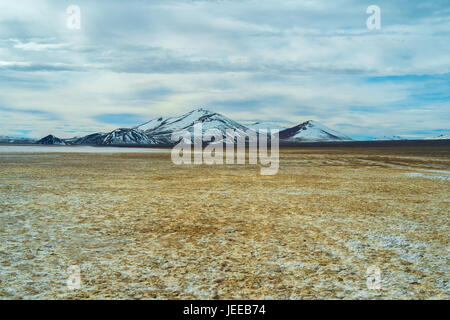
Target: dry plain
{"x": 140, "y": 227}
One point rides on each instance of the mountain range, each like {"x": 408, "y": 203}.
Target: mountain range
{"x": 440, "y": 137}
{"x": 387, "y": 138}
{"x": 16, "y": 140}
{"x": 158, "y": 131}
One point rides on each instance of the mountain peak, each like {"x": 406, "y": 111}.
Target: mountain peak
{"x": 312, "y": 130}
{"x": 51, "y": 139}
{"x": 201, "y": 111}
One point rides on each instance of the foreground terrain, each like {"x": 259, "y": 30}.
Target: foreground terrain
{"x": 138, "y": 226}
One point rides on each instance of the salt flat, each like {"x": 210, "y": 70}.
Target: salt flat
{"x": 140, "y": 227}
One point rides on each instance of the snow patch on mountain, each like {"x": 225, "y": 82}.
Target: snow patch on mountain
{"x": 151, "y": 125}
{"x": 90, "y": 139}
{"x": 265, "y": 124}
{"x": 127, "y": 136}
{"x": 121, "y": 136}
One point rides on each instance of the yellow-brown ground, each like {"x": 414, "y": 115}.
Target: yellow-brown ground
{"x": 140, "y": 227}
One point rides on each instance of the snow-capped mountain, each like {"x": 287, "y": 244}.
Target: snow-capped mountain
{"x": 51, "y": 139}
{"x": 161, "y": 129}
{"x": 311, "y": 131}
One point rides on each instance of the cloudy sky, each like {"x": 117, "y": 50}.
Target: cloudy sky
{"x": 291, "y": 60}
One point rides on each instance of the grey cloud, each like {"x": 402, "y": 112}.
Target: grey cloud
{"x": 308, "y": 58}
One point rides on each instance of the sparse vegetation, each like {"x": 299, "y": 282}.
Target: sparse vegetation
{"x": 140, "y": 227}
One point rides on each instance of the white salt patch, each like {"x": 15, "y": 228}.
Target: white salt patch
{"x": 76, "y": 149}
{"x": 427, "y": 176}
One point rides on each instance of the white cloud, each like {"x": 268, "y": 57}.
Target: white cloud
{"x": 33, "y": 46}
{"x": 294, "y": 60}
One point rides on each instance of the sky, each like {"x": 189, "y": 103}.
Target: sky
{"x": 284, "y": 60}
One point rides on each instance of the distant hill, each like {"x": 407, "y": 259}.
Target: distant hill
{"x": 388, "y": 138}
{"x": 16, "y": 140}
{"x": 439, "y": 137}
{"x": 51, "y": 140}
